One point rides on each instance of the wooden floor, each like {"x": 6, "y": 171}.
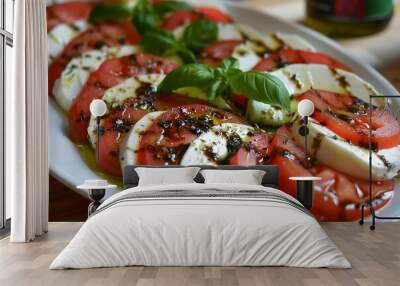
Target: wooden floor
{"x": 375, "y": 257}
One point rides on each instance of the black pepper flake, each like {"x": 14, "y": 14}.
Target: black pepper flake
{"x": 100, "y": 44}
{"x": 166, "y": 124}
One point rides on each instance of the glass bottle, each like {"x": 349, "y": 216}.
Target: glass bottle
{"x": 348, "y": 18}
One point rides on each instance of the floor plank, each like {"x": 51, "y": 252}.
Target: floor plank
{"x": 375, "y": 257}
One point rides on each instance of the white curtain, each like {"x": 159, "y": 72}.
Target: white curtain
{"x": 26, "y": 120}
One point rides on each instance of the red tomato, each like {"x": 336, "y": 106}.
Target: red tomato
{"x": 215, "y": 53}
{"x": 110, "y": 73}
{"x": 325, "y": 100}
{"x": 214, "y": 14}
{"x": 179, "y": 18}
{"x": 254, "y": 152}
{"x": 104, "y": 34}
{"x": 386, "y": 128}
{"x": 183, "y": 17}
{"x": 244, "y": 157}
{"x": 339, "y": 127}
{"x": 325, "y": 207}
{"x": 283, "y": 141}
{"x": 119, "y": 120}
{"x": 241, "y": 100}
{"x": 286, "y": 56}
{"x": 67, "y": 13}
{"x": 179, "y": 127}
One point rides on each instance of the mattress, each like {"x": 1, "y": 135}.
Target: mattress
{"x": 201, "y": 225}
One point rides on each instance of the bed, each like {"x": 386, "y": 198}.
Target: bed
{"x": 198, "y": 224}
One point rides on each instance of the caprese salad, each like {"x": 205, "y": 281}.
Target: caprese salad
{"x": 187, "y": 84}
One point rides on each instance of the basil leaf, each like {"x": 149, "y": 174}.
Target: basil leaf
{"x": 187, "y": 56}
{"x": 144, "y": 17}
{"x": 261, "y": 87}
{"x": 199, "y": 34}
{"x": 167, "y": 6}
{"x": 229, "y": 63}
{"x": 163, "y": 43}
{"x": 191, "y": 75}
{"x": 216, "y": 89}
{"x": 110, "y": 12}
{"x": 159, "y": 42}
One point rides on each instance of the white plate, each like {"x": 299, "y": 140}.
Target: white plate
{"x": 67, "y": 165}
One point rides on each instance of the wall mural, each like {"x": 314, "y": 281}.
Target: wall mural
{"x": 186, "y": 85}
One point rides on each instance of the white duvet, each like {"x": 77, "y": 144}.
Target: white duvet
{"x": 185, "y": 230}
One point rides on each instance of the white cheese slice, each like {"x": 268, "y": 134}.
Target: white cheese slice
{"x": 116, "y": 95}
{"x": 229, "y": 31}
{"x": 78, "y": 70}
{"x": 61, "y": 35}
{"x": 130, "y": 145}
{"x": 246, "y": 56}
{"x": 275, "y": 41}
{"x": 213, "y": 141}
{"x": 335, "y": 152}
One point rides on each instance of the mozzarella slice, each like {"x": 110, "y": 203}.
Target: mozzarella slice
{"x": 299, "y": 78}
{"x": 130, "y": 145}
{"x": 275, "y": 41}
{"x": 116, "y": 96}
{"x": 333, "y": 151}
{"x": 76, "y": 73}
{"x": 229, "y": 31}
{"x": 61, "y": 35}
{"x": 211, "y": 147}
{"x": 127, "y": 89}
{"x": 246, "y": 56}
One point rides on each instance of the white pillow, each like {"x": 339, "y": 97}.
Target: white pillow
{"x": 166, "y": 176}
{"x": 248, "y": 177}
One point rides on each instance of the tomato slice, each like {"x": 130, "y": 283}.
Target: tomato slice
{"x": 241, "y": 100}
{"x": 283, "y": 141}
{"x": 215, "y": 53}
{"x": 110, "y": 73}
{"x": 67, "y": 13}
{"x": 119, "y": 120}
{"x": 182, "y": 17}
{"x": 215, "y": 14}
{"x": 325, "y": 205}
{"x": 165, "y": 141}
{"x": 385, "y": 128}
{"x": 339, "y": 127}
{"x": 325, "y": 100}
{"x": 285, "y": 57}
{"x": 179, "y": 18}
{"x": 254, "y": 152}
{"x": 102, "y": 35}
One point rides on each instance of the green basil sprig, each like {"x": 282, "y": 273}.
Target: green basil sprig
{"x": 111, "y": 11}
{"x": 228, "y": 79}
{"x": 196, "y": 36}
{"x": 144, "y": 14}
{"x": 168, "y": 6}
